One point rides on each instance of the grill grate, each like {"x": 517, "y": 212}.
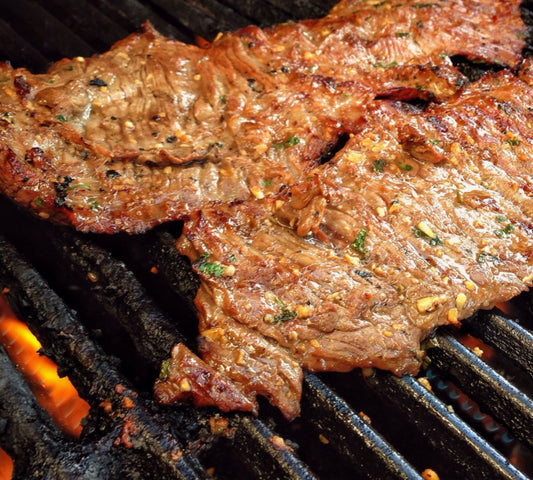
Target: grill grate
{"x": 107, "y": 320}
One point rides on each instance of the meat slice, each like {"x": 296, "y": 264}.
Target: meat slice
{"x": 422, "y": 219}
{"x": 153, "y": 129}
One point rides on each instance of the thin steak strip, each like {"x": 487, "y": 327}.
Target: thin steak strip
{"x": 422, "y": 219}
{"x": 154, "y": 129}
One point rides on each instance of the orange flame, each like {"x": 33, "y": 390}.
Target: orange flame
{"x": 55, "y": 394}
{"x": 6, "y": 466}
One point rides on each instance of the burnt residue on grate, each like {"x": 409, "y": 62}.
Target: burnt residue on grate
{"x": 107, "y": 310}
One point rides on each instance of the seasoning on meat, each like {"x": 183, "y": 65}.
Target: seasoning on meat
{"x": 154, "y": 129}
{"x": 418, "y": 266}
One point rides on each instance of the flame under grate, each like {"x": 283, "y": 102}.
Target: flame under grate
{"x": 55, "y": 394}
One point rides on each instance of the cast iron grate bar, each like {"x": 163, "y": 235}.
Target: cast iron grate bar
{"x": 470, "y": 455}
{"x": 66, "y": 342}
{"x": 18, "y": 51}
{"x": 506, "y": 335}
{"x": 491, "y": 390}
{"x": 80, "y": 17}
{"x": 131, "y": 14}
{"x": 254, "y": 440}
{"x": 354, "y": 439}
{"x": 205, "y": 18}
{"x": 53, "y": 39}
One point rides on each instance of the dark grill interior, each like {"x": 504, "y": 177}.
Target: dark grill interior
{"x": 108, "y": 320}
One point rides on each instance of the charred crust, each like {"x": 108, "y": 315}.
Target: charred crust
{"x": 34, "y": 155}
{"x": 21, "y": 86}
{"x": 61, "y": 189}
{"x": 112, "y": 174}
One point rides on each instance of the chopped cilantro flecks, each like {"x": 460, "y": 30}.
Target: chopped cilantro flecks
{"x": 404, "y": 166}
{"x": 61, "y": 118}
{"x": 385, "y": 65}
{"x": 503, "y": 232}
{"x": 359, "y": 243}
{"x": 294, "y": 140}
{"x": 378, "y": 165}
{"x": 39, "y": 202}
{"x": 514, "y": 142}
{"x": 209, "y": 268}
{"x": 484, "y": 256}
{"x": 433, "y": 241}
{"x": 501, "y": 218}
{"x": 426, "y": 5}
{"x": 285, "y": 315}
{"x": 402, "y": 34}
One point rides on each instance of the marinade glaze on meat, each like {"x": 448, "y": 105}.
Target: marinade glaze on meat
{"x": 420, "y": 219}
{"x": 154, "y": 129}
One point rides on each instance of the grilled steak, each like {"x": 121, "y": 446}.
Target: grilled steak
{"x": 423, "y": 218}
{"x": 154, "y": 129}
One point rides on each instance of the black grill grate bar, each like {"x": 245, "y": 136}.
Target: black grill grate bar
{"x": 118, "y": 293}
{"x": 18, "y": 51}
{"x": 261, "y": 13}
{"x": 53, "y": 39}
{"x": 491, "y": 390}
{"x": 303, "y": 8}
{"x": 255, "y": 440}
{"x": 207, "y": 18}
{"x": 355, "y": 440}
{"x": 466, "y": 452}
{"x": 65, "y": 340}
{"x": 81, "y": 17}
{"x": 506, "y": 335}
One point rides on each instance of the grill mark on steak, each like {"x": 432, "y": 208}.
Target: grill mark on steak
{"x": 249, "y": 114}
{"x": 446, "y": 232}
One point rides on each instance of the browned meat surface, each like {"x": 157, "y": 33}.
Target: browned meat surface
{"x": 422, "y": 219}
{"x": 154, "y": 129}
